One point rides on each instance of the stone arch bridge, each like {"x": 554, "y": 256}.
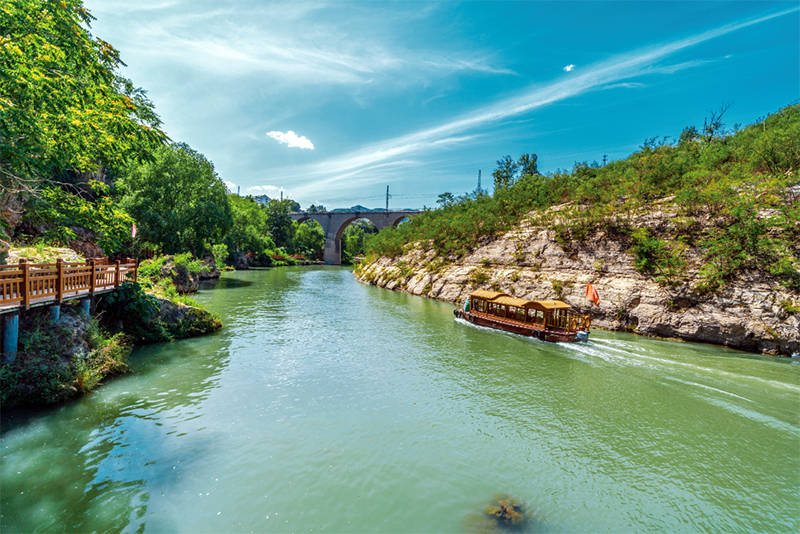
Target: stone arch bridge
{"x": 334, "y": 222}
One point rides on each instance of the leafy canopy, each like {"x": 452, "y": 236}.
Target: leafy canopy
{"x": 178, "y": 200}
{"x": 62, "y": 103}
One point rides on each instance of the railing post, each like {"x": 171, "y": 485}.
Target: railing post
{"x": 23, "y": 265}
{"x": 136, "y": 271}
{"x": 116, "y": 274}
{"x": 59, "y": 280}
{"x": 91, "y": 276}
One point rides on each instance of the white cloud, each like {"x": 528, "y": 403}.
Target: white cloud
{"x": 568, "y": 68}
{"x": 615, "y": 69}
{"x": 292, "y": 139}
{"x": 230, "y": 185}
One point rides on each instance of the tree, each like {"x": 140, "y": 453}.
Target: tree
{"x": 713, "y": 125}
{"x": 250, "y": 229}
{"x": 316, "y": 209}
{"x": 178, "y": 200}
{"x": 62, "y": 103}
{"x": 309, "y": 239}
{"x": 354, "y": 238}
{"x": 528, "y": 165}
{"x": 279, "y": 222}
{"x": 446, "y": 200}
{"x": 505, "y": 173}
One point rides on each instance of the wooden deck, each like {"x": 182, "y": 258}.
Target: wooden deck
{"x": 27, "y": 285}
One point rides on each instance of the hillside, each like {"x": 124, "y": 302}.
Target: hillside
{"x": 697, "y": 239}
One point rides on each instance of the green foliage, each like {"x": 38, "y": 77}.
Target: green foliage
{"x": 130, "y": 310}
{"x": 665, "y": 260}
{"x": 58, "y": 211}
{"x": 140, "y": 316}
{"x": 220, "y": 254}
{"x": 62, "y": 103}
{"x": 789, "y": 306}
{"x": 354, "y": 238}
{"x": 478, "y": 276}
{"x": 178, "y": 200}
{"x": 309, "y": 239}
{"x": 189, "y": 262}
{"x": 250, "y": 231}
{"x": 279, "y": 222}
{"x": 732, "y": 178}
{"x": 59, "y": 361}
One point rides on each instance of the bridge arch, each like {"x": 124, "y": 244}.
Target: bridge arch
{"x": 334, "y": 223}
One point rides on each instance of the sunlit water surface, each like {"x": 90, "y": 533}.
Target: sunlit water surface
{"x": 327, "y": 406}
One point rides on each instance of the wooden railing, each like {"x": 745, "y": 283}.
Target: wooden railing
{"x": 24, "y": 284}
{"x": 568, "y": 321}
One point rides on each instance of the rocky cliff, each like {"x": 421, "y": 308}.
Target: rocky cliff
{"x": 753, "y": 311}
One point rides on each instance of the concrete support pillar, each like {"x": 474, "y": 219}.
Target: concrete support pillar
{"x": 333, "y": 250}
{"x": 10, "y": 336}
{"x": 55, "y": 312}
{"x": 86, "y": 306}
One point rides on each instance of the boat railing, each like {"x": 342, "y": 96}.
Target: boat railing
{"x": 569, "y": 321}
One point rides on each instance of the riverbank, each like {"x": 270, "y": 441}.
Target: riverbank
{"x": 64, "y": 351}
{"x": 752, "y": 311}
{"x": 279, "y": 423}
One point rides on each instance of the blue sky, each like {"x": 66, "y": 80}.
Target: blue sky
{"x": 333, "y": 101}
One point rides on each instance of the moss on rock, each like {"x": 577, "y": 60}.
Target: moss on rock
{"x": 61, "y": 360}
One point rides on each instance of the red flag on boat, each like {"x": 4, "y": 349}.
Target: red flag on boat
{"x": 591, "y": 294}
{"x": 134, "y": 230}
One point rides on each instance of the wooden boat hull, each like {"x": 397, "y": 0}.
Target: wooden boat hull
{"x": 516, "y": 327}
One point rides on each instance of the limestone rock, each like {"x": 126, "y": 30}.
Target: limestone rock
{"x": 748, "y": 313}
{"x": 185, "y": 280}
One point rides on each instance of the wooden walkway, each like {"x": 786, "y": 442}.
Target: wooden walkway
{"x": 25, "y": 285}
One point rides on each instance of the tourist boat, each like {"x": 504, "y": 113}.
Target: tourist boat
{"x": 548, "y": 320}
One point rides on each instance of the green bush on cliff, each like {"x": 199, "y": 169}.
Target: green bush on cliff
{"x": 59, "y": 361}
{"x": 147, "y": 319}
{"x": 663, "y": 259}
{"x": 740, "y": 180}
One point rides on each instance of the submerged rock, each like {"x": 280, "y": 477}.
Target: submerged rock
{"x": 506, "y": 511}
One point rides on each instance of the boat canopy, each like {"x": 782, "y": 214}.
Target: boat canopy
{"x": 503, "y": 299}
{"x": 512, "y": 301}
{"x": 551, "y": 304}
{"x": 485, "y": 294}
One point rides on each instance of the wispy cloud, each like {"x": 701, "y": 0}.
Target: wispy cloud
{"x": 292, "y": 139}
{"x": 568, "y": 68}
{"x": 249, "y": 40}
{"x": 616, "y": 69}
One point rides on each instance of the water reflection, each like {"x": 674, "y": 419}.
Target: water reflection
{"x": 93, "y": 464}
{"x": 328, "y": 405}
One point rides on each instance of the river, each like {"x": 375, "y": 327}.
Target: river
{"x": 324, "y": 405}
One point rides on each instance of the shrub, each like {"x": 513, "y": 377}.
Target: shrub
{"x": 654, "y": 256}
{"x": 478, "y": 276}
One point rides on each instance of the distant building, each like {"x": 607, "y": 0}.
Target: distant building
{"x": 261, "y": 199}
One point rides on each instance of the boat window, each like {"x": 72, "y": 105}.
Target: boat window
{"x": 520, "y": 314}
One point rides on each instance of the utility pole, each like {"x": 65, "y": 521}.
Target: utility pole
{"x": 387, "y": 198}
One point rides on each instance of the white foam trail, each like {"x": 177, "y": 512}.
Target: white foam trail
{"x": 661, "y": 363}
{"x": 689, "y": 383}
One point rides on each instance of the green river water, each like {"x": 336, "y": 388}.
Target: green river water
{"x": 324, "y": 405}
